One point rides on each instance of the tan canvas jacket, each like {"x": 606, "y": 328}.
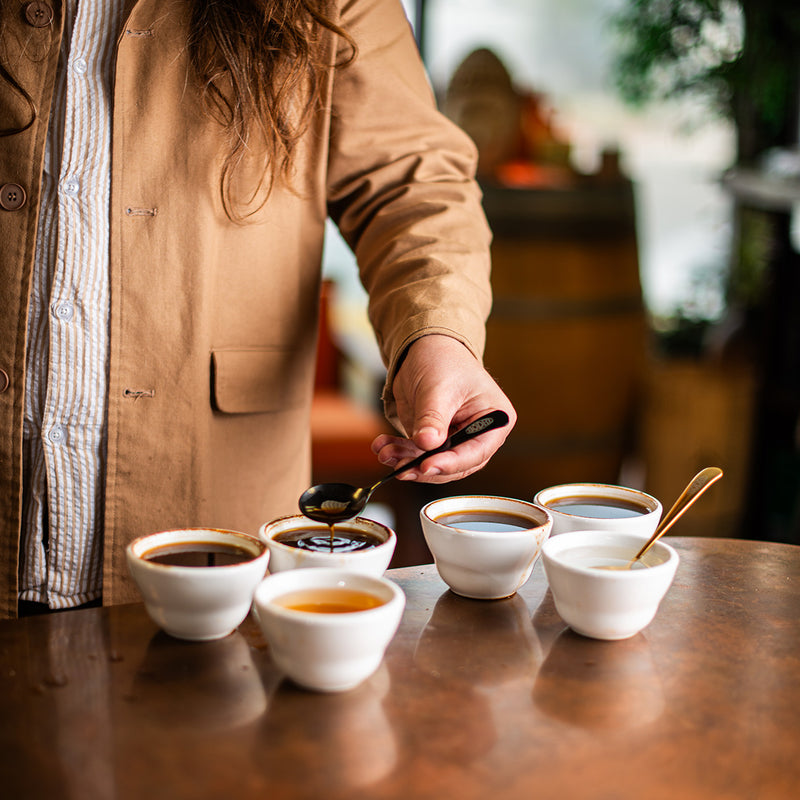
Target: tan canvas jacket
{"x": 213, "y": 324}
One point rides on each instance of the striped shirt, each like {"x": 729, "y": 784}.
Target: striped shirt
{"x": 67, "y": 351}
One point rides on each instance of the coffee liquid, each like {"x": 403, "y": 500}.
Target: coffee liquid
{"x": 198, "y": 554}
{"x": 487, "y": 521}
{"x": 336, "y": 600}
{"x": 598, "y": 507}
{"x": 339, "y": 540}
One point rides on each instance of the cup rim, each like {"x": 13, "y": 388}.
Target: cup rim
{"x": 323, "y": 577}
{"x": 269, "y": 539}
{"x": 564, "y": 542}
{"x": 136, "y": 549}
{"x": 527, "y": 505}
{"x": 550, "y": 493}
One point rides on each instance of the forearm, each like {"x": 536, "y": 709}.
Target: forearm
{"x": 401, "y": 188}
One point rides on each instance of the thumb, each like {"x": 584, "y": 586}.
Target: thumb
{"x": 430, "y": 428}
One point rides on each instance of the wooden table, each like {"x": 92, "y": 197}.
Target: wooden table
{"x": 475, "y": 699}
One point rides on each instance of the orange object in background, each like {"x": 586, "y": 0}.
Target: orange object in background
{"x": 328, "y": 355}
{"x": 527, "y": 175}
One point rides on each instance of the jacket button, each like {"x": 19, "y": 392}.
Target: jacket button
{"x": 4, "y": 381}
{"x": 38, "y": 14}
{"x": 12, "y": 196}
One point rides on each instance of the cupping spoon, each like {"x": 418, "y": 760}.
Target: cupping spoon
{"x": 693, "y": 490}
{"x": 337, "y": 502}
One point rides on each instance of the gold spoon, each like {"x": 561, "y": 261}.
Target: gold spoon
{"x": 694, "y": 489}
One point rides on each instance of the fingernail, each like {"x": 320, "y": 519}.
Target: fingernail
{"x": 428, "y": 429}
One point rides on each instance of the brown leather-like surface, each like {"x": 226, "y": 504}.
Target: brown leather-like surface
{"x": 475, "y": 699}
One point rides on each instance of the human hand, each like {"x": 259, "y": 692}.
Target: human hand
{"x": 440, "y": 388}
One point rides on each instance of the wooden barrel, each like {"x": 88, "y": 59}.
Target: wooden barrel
{"x": 695, "y": 414}
{"x": 567, "y": 335}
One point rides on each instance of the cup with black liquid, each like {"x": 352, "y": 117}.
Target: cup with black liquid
{"x": 484, "y": 547}
{"x": 197, "y": 583}
{"x": 358, "y": 545}
{"x": 600, "y": 507}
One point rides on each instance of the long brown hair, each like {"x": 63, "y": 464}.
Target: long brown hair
{"x": 261, "y": 67}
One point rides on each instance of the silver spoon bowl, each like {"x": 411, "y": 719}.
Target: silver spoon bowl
{"x": 336, "y": 502}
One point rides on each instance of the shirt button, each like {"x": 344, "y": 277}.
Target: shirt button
{"x": 71, "y": 186}
{"x": 80, "y": 66}
{"x": 4, "y": 381}
{"x": 63, "y": 311}
{"x": 38, "y": 14}
{"x": 12, "y": 196}
{"x": 56, "y": 434}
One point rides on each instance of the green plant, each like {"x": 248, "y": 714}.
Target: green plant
{"x": 742, "y": 57}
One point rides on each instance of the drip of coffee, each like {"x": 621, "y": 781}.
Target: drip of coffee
{"x": 340, "y": 540}
{"x": 487, "y": 521}
{"x": 334, "y": 600}
{"x": 198, "y": 554}
{"x": 598, "y": 507}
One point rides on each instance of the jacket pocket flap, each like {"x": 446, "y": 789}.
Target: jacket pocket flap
{"x": 253, "y": 380}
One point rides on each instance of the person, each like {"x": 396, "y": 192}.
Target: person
{"x": 166, "y": 171}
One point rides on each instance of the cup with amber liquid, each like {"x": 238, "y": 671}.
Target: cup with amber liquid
{"x": 328, "y": 628}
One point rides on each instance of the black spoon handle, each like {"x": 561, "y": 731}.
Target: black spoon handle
{"x": 488, "y": 422}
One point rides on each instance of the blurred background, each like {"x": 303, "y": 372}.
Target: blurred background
{"x": 641, "y": 174}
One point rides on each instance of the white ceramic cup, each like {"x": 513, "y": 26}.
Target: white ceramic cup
{"x": 484, "y": 564}
{"x": 197, "y": 603}
{"x": 641, "y": 524}
{"x": 327, "y": 652}
{"x": 603, "y": 603}
{"x": 370, "y": 561}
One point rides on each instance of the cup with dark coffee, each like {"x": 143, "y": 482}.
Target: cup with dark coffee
{"x": 359, "y": 544}
{"x": 197, "y": 583}
{"x": 484, "y": 547}
{"x": 600, "y": 507}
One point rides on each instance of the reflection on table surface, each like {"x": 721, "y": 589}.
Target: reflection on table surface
{"x": 475, "y": 699}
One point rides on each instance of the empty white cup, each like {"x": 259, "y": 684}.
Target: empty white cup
{"x": 607, "y": 603}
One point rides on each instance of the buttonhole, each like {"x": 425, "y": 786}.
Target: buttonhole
{"x": 141, "y": 212}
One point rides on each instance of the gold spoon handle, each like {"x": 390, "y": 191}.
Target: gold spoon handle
{"x": 695, "y": 488}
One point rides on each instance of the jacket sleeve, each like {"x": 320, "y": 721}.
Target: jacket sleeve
{"x": 401, "y": 189}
